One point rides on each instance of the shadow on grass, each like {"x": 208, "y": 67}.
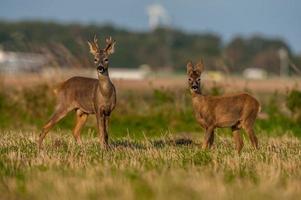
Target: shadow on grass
{"x": 127, "y": 144}
{"x": 156, "y": 143}
{"x": 172, "y": 142}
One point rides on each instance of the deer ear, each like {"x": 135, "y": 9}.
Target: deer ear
{"x": 110, "y": 49}
{"x": 189, "y": 67}
{"x": 199, "y": 67}
{"x": 93, "y": 48}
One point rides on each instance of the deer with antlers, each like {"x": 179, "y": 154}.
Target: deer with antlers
{"x": 237, "y": 111}
{"x": 87, "y": 96}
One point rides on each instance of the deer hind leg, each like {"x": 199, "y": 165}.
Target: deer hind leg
{"x": 237, "y": 138}
{"x": 209, "y": 138}
{"x": 59, "y": 114}
{"x": 81, "y": 119}
{"x": 252, "y": 136}
{"x": 248, "y": 127}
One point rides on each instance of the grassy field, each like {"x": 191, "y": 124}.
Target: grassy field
{"x": 155, "y": 149}
{"x": 166, "y": 167}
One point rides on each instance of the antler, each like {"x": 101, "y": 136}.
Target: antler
{"x": 94, "y": 48}
{"x": 95, "y": 41}
{"x": 110, "y": 45}
{"x": 109, "y": 40}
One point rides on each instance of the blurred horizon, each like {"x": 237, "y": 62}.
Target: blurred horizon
{"x": 275, "y": 19}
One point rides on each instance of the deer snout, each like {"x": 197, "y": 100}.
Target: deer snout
{"x": 100, "y": 69}
{"x": 194, "y": 87}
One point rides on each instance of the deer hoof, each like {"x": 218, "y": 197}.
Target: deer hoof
{"x": 79, "y": 142}
{"x": 40, "y": 147}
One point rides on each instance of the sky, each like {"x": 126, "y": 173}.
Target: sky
{"x": 227, "y": 18}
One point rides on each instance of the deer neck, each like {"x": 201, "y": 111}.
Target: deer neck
{"x": 105, "y": 85}
{"x": 196, "y": 94}
{"x": 197, "y": 98}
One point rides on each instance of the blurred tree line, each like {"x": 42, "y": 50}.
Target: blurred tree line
{"x": 162, "y": 48}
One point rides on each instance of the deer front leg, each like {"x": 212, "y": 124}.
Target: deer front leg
{"x": 102, "y": 130}
{"x": 107, "y": 128}
{"x": 209, "y": 138}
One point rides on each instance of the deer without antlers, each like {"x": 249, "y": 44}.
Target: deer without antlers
{"x": 87, "y": 96}
{"x": 237, "y": 111}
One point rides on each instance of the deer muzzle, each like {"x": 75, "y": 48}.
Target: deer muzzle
{"x": 194, "y": 88}
{"x": 101, "y": 69}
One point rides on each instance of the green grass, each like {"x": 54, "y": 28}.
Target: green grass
{"x": 153, "y": 112}
{"x": 155, "y": 152}
{"x": 165, "y": 167}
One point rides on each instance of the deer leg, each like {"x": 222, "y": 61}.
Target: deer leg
{"x": 248, "y": 124}
{"x": 106, "y": 128}
{"x": 81, "y": 119}
{"x": 103, "y": 136}
{"x": 248, "y": 127}
{"x": 56, "y": 117}
{"x": 211, "y": 140}
{"x": 208, "y": 135}
{"x": 252, "y": 136}
{"x": 237, "y": 139}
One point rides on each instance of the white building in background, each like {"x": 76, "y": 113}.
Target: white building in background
{"x": 130, "y": 74}
{"x": 255, "y": 73}
{"x": 18, "y": 62}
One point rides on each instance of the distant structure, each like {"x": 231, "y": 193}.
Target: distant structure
{"x": 157, "y": 16}
{"x": 17, "y": 62}
{"x": 130, "y": 74}
{"x": 284, "y": 64}
{"x": 255, "y": 73}
{"x": 214, "y": 76}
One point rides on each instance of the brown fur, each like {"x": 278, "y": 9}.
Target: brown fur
{"x": 87, "y": 96}
{"x": 238, "y": 111}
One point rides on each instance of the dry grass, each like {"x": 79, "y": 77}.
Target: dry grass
{"x": 169, "y": 167}
{"x": 229, "y": 83}
{"x": 137, "y": 167}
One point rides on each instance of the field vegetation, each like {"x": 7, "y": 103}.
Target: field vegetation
{"x": 167, "y": 167}
{"x": 155, "y": 150}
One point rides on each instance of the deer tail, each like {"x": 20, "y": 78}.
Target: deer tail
{"x": 259, "y": 109}
{"x": 57, "y": 88}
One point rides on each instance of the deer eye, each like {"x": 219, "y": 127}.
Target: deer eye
{"x": 199, "y": 79}
{"x": 95, "y": 60}
{"x": 106, "y": 60}
{"x": 189, "y": 79}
